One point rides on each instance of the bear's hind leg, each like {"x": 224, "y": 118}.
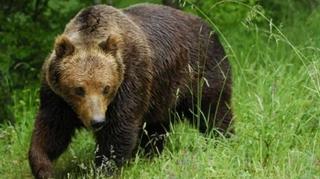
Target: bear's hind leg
{"x": 215, "y": 118}
{"x": 213, "y": 115}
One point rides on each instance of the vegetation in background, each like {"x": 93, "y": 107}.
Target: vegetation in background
{"x": 274, "y": 47}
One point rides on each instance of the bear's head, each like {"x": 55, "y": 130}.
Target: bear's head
{"x": 86, "y": 75}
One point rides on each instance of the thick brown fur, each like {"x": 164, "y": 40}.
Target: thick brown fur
{"x": 133, "y": 66}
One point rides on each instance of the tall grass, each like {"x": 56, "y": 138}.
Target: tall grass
{"x": 275, "y": 100}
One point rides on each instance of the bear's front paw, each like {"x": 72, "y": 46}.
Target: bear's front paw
{"x": 44, "y": 173}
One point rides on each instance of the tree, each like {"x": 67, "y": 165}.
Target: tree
{"x": 171, "y": 3}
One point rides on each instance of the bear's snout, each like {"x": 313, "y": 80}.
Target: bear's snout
{"x": 97, "y": 123}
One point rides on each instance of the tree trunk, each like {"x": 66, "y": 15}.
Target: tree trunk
{"x": 6, "y": 101}
{"x": 109, "y": 2}
{"x": 171, "y": 3}
{"x": 96, "y": 1}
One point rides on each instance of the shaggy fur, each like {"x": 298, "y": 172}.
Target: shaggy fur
{"x": 153, "y": 59}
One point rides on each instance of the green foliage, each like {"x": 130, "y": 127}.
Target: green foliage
{"x": 283, "y": 10}
{"x": 27, "y": 33}
{"x": 225, "y": 12}
{"x": 232, "y": 13}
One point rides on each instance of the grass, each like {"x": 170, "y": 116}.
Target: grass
{"x": 275, "y": 100}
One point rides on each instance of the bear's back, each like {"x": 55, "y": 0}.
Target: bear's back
{"x": 171, "y": 32}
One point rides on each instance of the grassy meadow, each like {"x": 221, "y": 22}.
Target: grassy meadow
{"x": 276, "y": 99}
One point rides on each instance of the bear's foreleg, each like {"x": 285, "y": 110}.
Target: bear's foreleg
{"x": 51, "y": 135}
{"x": 115, "y": 143}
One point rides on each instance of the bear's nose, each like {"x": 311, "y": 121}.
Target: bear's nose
{"x": 98, "y": 123}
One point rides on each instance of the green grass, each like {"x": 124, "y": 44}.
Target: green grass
{"x": 276, "y": 104}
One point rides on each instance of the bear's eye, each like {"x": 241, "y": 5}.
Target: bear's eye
{"x": 106, "y": 90}
{"x": 79, "y": 91}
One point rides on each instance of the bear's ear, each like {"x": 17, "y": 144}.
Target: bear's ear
{"x": 112, "y": 44}
{"x": 63, "y": 47}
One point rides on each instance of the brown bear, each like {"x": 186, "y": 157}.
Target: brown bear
{"x": 124, "y": 72}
